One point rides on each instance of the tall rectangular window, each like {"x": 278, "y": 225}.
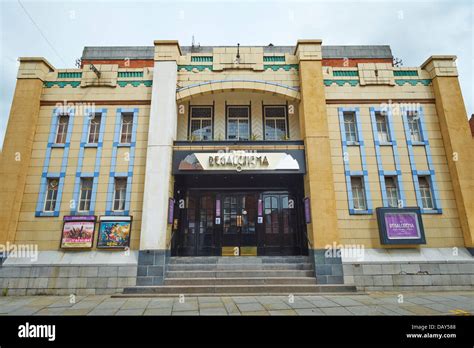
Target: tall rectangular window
{"x": 350, "y": 126}
{"x": 85, "y": 194}
{"x": 126, "y": 128}
{"x": 94, "y": 129}
{"x": 201, "y": 122}
{"x": 392, "y": 191}
{"x": 51, "y": 195}
{"x": 414, "y": 126}
{"x": 238, "y": 123}
{"x": 425, "y": 192}
{"x": 275, "y": 122}
{"x": 358, "y": 193}
{"x": 382, "y": 127}
{"x": 120, "y": 192}
{"x": 61, "y": 130}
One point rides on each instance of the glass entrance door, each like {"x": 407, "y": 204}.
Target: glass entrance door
{"x": 197, "y": 235}
{"x": 279, "y": 224}
{"x": 239, "y": 219}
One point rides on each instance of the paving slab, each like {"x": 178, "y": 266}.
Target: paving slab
{"x": 309, "y": 311}
{"x": 336, "y": 311}
{"x": 133, "y": 311}
{"x": 250, "y": 307}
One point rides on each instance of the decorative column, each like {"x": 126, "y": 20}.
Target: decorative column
{"x": 457, "y": 138}
{"x": 16, "y": 153}
{"x": 155, "y": 231}
{"x": 318, "y": 181}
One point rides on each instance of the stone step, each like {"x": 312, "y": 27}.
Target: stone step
{"x": 238, "y": 289}
{"x": 240, "y": 281}
{"x": 238, "y": 260}
{"x": 240, "y": 274}
{"x": 240, "y": 266}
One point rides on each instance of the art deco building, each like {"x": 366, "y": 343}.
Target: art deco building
{"x": 275, "y": 168}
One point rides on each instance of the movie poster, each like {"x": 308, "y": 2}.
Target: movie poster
{"x": 114, "y": 232}
{"x": 78, "y": 232}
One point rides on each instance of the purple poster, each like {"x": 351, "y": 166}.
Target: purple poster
{"x": 307, "y": 210}
{"x": 402, "y": 226}
{"x": 170, "y": 210}
{"x": 260, "y": 208}
{"x": 218, "y": 207}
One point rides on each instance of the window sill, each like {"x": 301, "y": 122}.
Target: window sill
{"x": 352, "y": 143}
{"x": 58, "y": 145}
{"x": 124, "y": 145}
{"x": 360, "y": 212}
{"x": 91, "y": 145}
{"x": 418, "y": 143}
{"x": 432, "y": 211}
{"x": 386, "y": 143}
{"x": 117, "y": 213}
{"x": 47, "y": 214}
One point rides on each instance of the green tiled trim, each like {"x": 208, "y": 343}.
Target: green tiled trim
{"x": 273, "y": 58}
{"x": 200, "y": 59}
{"x": 130, "y": 74}
{"x": 277, "y": 67}
{"x": 345, "y": 73}
{"x": 405, "y": 73}
{"x": 146, "y": 83}
{"x": 191, "y": 67}
{"x": 61, "y": 84}
{"x": 414, "y": 82}
{"x": 69, "y": 75}
{"x": 341, "y": 83}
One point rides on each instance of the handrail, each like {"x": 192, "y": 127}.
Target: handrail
{"x": 307, "y": 238}
{"x": 173, "y": 232}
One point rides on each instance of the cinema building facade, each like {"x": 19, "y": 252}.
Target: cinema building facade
{"x": 145, "y": 162}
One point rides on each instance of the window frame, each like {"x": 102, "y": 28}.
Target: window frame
{"x": 385, "y": 124}
{"x": 191, "y": 118}
{"x": 114, "y": 199}
{"x": 97, "y": 128}
{"x": 356, "y": 131}
{"x": 411, "y": 115}
{"x": 249, "y": 119}
{"x": 87, "y": 200}
{"x": 427, "y": 178}
{"x": 275, "y": 118}
{"x": 129, "y": 132}
{"x": 389, "y": 198}
{"x": 64, "y": 131}
{"x": 55, "y": 199}
{"x": 362, "y": 188}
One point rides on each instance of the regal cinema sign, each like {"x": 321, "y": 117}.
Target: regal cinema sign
{"x": 239, "y": 161}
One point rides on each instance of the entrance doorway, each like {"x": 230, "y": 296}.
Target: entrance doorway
{"x": 239, "y": 219}
{"x": 220, "y": 219}
{"x": 279, "y": 224}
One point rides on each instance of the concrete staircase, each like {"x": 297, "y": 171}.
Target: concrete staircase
{"x": 264, "y": 275}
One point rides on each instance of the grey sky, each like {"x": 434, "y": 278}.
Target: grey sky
{"x": 414, "y": 29}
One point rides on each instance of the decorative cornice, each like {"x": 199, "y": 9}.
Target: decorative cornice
{"x": 146, "y": 83}
{"x": 413, "y": 82}
{"x": 341, "y": 83}
{"x": 61, "y": 84}
{"x": 192, "y": 67}
{"x": 276, "y": 67}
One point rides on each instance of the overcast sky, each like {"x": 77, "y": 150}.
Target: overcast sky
{"x": 58, "y": 30}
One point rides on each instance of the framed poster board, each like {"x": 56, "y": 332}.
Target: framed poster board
{"x": 307, "y": 210}
{"x": 170, "y": 210}
{"x": 400, "y": 226}
{"x": 78, "y": 232}
{"x": 114, "y": 232}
